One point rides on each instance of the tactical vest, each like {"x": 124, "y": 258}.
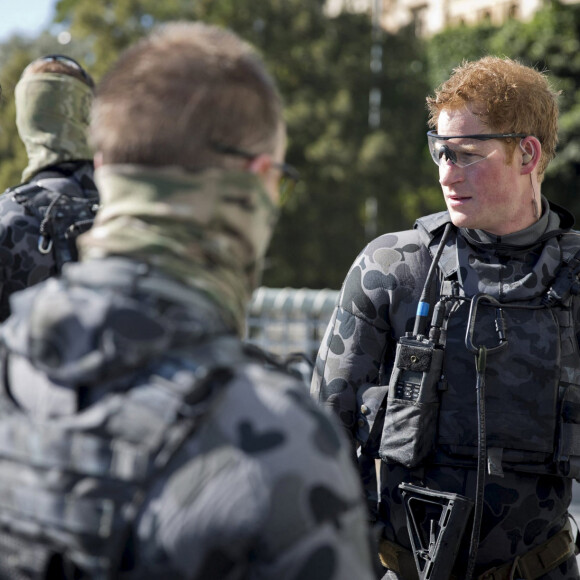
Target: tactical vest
{"x": 64, "y": 209}
{"x": 72, "y": 488}
{"x": 532, "y": 390}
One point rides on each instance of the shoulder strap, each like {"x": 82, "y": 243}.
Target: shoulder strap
{"x": 430, "y": 229}
{"x": 430, "y": 225}
{"x": 570, "y": 244}
{"x": 566, "y": 283}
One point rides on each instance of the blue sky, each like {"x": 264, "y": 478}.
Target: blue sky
{"x": 24, "y": 16}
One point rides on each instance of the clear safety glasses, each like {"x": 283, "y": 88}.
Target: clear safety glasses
{"x": 466, "y": 153}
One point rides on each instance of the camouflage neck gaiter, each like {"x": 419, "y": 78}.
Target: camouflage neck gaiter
{"x": 52, "y": 116}
{"x": 210, "y": 229}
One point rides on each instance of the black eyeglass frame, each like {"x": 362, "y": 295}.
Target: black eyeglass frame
{"x": 479, "y": 136}
{"x": 68, "y": 61}
{"x": 286, "y": 169}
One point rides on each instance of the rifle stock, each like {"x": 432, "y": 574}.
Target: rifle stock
{"x": 436, "y": 521}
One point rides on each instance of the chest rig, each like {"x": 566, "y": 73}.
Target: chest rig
{"x": 525, "y": 351}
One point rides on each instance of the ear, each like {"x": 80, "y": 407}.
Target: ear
{"x": 529, "y": 153}
{"x": 260, "y": 165}
{"x": 98, "y": 159}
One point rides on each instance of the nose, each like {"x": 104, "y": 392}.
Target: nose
{"x": 449, "y": 173}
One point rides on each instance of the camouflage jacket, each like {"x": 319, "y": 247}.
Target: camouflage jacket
{"x": 116, "y": 362}
{"x": 376, "y": 307}
{"x": 23, "y": 262}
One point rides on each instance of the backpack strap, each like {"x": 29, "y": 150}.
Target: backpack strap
{"x": 64, "y": 210}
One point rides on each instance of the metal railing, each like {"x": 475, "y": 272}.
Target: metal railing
{"x": 286, "y": 321}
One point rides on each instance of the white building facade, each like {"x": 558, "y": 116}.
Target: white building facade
{"x": 432, "y": 16}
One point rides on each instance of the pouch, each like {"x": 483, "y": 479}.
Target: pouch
{"x": 410, "y": 425}
{"x": 568, "y": 450}
{"x": 370, "y": 400}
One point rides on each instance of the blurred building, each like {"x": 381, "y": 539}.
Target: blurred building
{"x": 432, "y": 16}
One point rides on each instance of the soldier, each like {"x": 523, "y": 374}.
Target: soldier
{"x": 452, "y": 355}
{"x": 139, "y": 436}
{"x": 41, "y": 218}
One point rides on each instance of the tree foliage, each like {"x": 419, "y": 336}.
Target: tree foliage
{"x": 322, "y": 68}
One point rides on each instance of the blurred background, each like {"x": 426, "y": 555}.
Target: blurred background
{"x": 354, "y": 75}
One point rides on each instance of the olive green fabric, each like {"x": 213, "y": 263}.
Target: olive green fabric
{"x": 209, "y": 229}
{"x": 52, "y": 117}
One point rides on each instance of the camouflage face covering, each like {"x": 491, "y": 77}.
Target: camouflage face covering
{"x": 210, "y": 229}
{"x": 52, "y": 116}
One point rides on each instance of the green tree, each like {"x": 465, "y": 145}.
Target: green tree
{"x": 322, "y": 67}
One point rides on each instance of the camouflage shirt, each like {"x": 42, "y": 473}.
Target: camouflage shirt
{"x": 377, "y": 305}
{"x": 22, "y": 264}
{"x": 263, "y": 488}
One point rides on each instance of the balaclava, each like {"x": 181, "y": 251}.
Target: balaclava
{"x": 52, "y": 117}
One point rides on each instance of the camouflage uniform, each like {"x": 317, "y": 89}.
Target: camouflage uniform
{"x": 256, "y": 480}
{"x": 377, "y": 305}
{"x": 52, "y": 119}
